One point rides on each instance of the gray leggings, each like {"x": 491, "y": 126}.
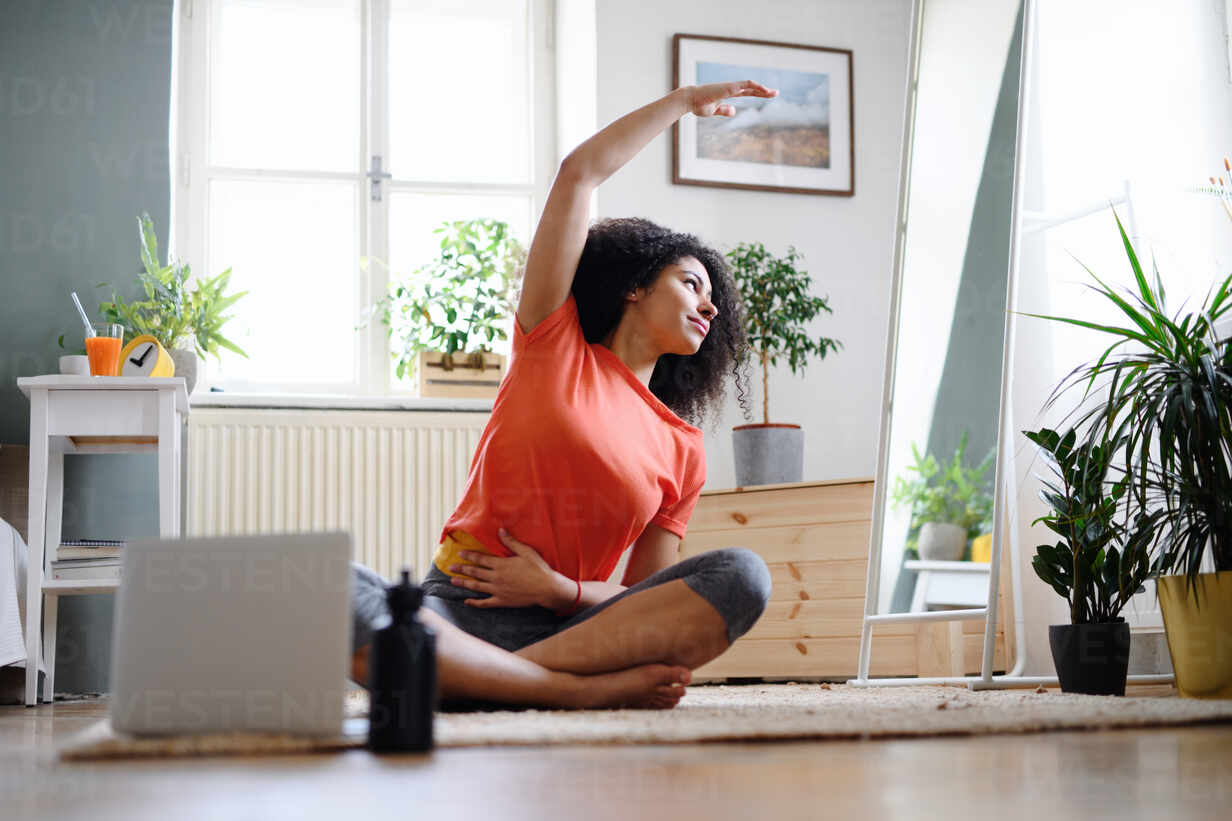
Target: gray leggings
{"x": 734, "y": 580}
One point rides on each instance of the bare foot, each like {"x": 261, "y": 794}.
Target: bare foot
{"x": 648, "y": 687}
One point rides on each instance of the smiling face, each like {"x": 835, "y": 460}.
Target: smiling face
{"x": 676, "y": 311}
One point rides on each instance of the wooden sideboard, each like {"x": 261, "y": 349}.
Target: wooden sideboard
{"x": 814, "y": 536}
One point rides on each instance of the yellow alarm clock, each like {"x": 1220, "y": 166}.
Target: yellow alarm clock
{"x": 143, "y": 356}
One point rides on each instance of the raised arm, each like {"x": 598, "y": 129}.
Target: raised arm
{"x": 561, "y": 234}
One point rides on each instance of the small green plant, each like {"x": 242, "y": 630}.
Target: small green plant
{"x": 1084, "y": 566}
{"x": 777, "y": 305}
{"x": 173, "y": 312}
{"x": 462, "y": 301}
{"x": 954, "y": 494}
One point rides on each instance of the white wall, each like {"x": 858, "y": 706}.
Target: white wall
{"x": 1151, "y": 102}
{"x": 847, "y": 242}
{"x": 1121, "y": 91}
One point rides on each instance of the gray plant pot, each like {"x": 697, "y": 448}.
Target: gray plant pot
{"x": 942, "y": 542}
{"x": 768, "y": 454}
{"x": 186, "y": 365}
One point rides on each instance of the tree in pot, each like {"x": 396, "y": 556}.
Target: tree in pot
{"x": 778, "y": 306}
{"x": 460, "y": 303}
{"x": 187, "y": 320}
{"x": 948, "y": 505}
{"x": 1173, "y": 395}
{"x": 1084, "y": 566}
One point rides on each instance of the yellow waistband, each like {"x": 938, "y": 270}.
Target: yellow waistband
{"x": 447, "y": 553}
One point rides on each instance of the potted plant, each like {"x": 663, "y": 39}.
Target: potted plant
{"x": 948, "y": 505}
{"x": 186, "y": 320}
{"x": 1172, "y": 393}
{"x": 778, "y": 306}
{"x": 1085, "y": 566}
{"x": 445, "y": 316}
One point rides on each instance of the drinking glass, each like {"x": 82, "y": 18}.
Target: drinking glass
{"x": 103, "y": 349}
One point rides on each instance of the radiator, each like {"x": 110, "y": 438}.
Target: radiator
{"x": 389, "y": 478}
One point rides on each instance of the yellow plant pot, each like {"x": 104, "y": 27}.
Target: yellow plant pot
{"x": 981, "y": 548}
{"x": 1199, "y": 633}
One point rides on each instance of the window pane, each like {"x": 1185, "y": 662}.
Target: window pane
{"x": 459, "y": 95}
{"x": 285, "y": 85}
{"x": 413, "y": 217}
{"x": 294, "y": 247}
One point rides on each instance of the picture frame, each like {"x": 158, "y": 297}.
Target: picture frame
{"x": 800, "y": 142}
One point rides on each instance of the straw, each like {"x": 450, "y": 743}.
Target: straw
{"x": 85, "y": 319}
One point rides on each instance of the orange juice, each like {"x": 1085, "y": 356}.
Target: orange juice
{"x": 104, "y": 353}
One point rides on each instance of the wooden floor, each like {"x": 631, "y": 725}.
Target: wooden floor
{"x": 1175, "y": 773}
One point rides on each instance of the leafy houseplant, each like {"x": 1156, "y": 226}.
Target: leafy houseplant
{"x": 174, "y": 312}
{"x": 1172, "y": 398}
{"x": 461, "y": 302}
{"x": 954, "y": 496}
{"x": 778, "y": 306}
{"x": 1084, "y": 566}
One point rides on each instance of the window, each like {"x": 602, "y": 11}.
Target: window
{"x": 312, "y": 135}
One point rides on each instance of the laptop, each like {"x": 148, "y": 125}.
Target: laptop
{"x": 236, "y": 633}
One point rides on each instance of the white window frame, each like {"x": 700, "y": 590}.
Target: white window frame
{"x": 191, "y": 176}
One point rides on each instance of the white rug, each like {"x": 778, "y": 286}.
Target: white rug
{"x": 720, "y": 713}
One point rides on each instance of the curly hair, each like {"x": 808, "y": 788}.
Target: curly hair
{"x": 624, "y": 254}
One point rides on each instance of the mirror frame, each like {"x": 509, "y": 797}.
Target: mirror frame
{"x": 1000, "y": 534}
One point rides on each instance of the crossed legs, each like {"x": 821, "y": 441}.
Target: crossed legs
{"x": 669, "y": 624}
{"x": 469, "y": 668}
{"x": 685, "y": 614}
{"x": 636, "y": 649}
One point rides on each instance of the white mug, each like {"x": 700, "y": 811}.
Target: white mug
{"x": 75, "y": 365}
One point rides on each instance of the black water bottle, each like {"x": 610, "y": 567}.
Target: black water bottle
{"x": 402, "y": 676}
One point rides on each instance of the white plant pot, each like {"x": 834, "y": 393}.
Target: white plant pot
{"x": 942, "y": 542}
{"x": 186, "y": 365}
{"x": 75, "y": 364}
{"x": 768, "y": 454}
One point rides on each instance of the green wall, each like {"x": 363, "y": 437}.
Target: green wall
{"x": 84, "y": 102}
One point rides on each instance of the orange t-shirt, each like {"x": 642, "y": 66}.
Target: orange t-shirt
{"x": 578, "y": 456}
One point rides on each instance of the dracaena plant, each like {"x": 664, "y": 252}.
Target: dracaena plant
{"x": 460, "y": 302}
{"x": 1097, "y": 564}
{"x": 778, "y": 307}
{"x": 1168, "y": 385}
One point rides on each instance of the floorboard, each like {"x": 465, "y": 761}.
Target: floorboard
{"x": 1177, "y": 773}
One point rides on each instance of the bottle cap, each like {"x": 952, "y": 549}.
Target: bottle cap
{"x": 403, "y": 598}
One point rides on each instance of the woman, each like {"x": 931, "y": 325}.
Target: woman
{"x": 621, "y": 329}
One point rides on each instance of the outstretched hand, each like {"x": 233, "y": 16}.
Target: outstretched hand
{"x": 707, "y": 100}
{"x": 520, "y": 580}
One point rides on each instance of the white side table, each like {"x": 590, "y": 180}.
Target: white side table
{"x": 948, "y": 584}
{"x": 90, "y": 414}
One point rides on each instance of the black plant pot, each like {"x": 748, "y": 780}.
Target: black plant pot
{"x": 1091, "y": 658}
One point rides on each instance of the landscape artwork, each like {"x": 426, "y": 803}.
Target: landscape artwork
{"x": 790, "y": 129}
{"x": 798, "y": 142}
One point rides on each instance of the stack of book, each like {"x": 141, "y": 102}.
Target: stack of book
{"x": 87, "y": 559}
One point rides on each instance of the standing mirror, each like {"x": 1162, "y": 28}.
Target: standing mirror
{"x": 933, "y": 519}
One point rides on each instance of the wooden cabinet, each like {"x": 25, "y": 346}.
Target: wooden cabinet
{"x": 814, "y": 536}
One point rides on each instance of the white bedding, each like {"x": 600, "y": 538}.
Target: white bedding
{"x": 13, "y": 598}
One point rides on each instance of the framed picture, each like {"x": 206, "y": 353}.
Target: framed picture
{"x": 800, "y": 141}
